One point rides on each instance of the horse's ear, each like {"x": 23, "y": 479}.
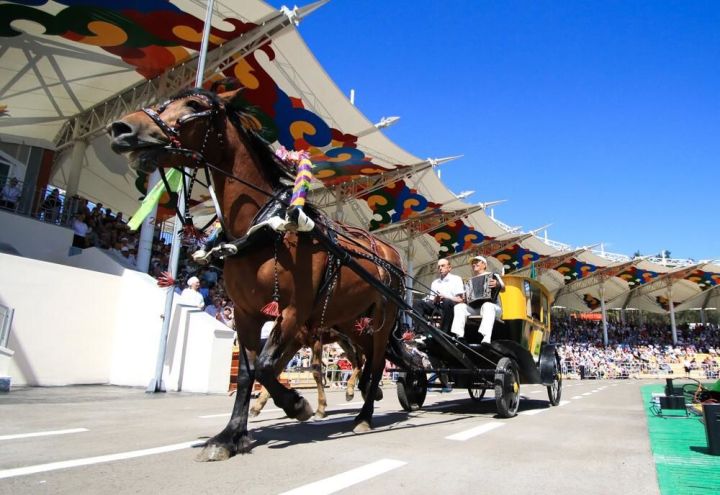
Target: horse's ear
{"x": 235, "y": 102}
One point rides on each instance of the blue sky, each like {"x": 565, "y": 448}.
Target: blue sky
{"x": 600, "y": 117}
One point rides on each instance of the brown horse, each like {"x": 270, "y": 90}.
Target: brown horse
{"x": 198, "y": 129}
{"x": 316, "y": 346}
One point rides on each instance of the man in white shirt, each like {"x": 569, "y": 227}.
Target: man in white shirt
{"x": 191, "y": 295}
{"x": 445, "y": 292}
{"x": 489, "y": 309}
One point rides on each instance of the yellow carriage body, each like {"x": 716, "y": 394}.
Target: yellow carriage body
{"x": 526, "y": 313}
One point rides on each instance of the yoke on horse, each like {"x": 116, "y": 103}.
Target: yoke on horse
{"x": 319, "y": 280}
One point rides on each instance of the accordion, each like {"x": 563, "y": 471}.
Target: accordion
{"x": 477, "y": 289}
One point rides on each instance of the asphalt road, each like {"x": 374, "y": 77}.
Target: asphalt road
{"x": 120, "y": 440}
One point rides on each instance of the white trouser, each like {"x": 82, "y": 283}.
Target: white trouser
{"x": 488, "y": 311}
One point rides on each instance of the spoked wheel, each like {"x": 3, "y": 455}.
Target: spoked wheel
{"x": 507, "y": 388}
{"x": 476, "y": 393}
{"x": 555, "y": 389}
{"x": 412, "y": 389}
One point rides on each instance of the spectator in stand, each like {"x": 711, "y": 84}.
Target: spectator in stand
{"x": 215, "y": 309}
{"x": 50, "y": 208}
{"x": 80, "y": 231}
{"x": 345, "y": 366}
{"x": 10, "y": 194}
{"x": 191, "y": 295}
{"x": 227, "y": 316}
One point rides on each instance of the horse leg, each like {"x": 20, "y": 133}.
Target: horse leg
{"x": 375, "y": 363}
{"x": 262, "y": 399}
{"x": 260, "y": 402}
{"x": 317, "y": 349}
{"x": 355, "y": 357}
{"x": 234, "y": 438}
{"x": 294, "y": 405}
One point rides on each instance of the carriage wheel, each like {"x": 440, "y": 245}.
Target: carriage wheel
{"x": 507, "y": 388}
{"x": 555, "y": 389}
{"x": 412, "y": 389}
{"x": 476, "y": 393}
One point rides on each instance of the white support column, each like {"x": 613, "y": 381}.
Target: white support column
{"x": 77, "y": 158}
{"x": 703, "y": 317}
{"x": 604, "y": 313}
{"x": 672, "y": 315}
{"x": 623, "y": 317}
{"x": 147, "y": 230}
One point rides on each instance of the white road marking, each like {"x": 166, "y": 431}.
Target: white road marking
{"x": 42, "y": 433}
{"x": 54, "y": 466}
{"x": 535, "y": 392}
{"x": 348, "y": 478}
{"x": 224, "y": 415}
{"x": 532, "y": 412}
{"x": 564, "y": 403}
{"x": 587, "y": 393}
{"x": 578, "y": 397}
{"x": 473, "y": 432}
{"x": 596, "y": 390}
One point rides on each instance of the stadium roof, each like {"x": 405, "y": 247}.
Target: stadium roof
{"x": 70, "y": 68}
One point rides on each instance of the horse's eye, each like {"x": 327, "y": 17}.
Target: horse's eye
{"x": 195, "y": 105}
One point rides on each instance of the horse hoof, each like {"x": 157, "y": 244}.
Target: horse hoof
{"x": 304, "y": 411}
{"x": 362, "y": 427}
{"x": 320, "y": 415}
{"x": 349, "y": 396}
{"x": 378, "y": 395}
{"x": 213, "y": 453}
{"x": 253, "y": 413}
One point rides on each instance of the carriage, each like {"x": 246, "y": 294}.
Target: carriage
{"x": 520, "y": 353}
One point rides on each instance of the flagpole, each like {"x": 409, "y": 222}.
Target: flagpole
{"x": 156, "y": 384}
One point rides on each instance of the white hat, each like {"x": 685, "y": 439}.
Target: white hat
{"x": 480, "y": 258}
{"x": 193, "y": 280}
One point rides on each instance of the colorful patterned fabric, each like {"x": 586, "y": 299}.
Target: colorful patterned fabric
{"x": 575, "y": 269}
{"x": 456, "y": 237}
{"x": 516, "y": 257}
{"x": 635, "y": 276}
{"x": 396, "y": 202}
{"x": 705, "y": 280}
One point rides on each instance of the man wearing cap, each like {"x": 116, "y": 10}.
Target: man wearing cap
{"x": 191, "y": 295}
{"x": 445, "y": 292}
{"x": 487, "y": 309}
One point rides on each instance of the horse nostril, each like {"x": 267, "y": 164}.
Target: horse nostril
{"x": 120, "y": 128}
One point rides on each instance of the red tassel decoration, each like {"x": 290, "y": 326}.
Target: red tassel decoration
{"x": 165, "y": 280}
{"x": 271, "y": 309}
{"x": 362, "y": 324}
{"x": 408, "y": 336}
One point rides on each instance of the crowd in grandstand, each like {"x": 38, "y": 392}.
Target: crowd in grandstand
{"x": 635, "y": 350}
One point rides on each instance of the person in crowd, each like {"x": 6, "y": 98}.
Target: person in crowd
{"x": 227, "y": 316}
{"x": 191, "y": 295}
{"x": 488, "y": 309}
{"x": 10, "y": 194}
{"x": 445, "y": 292}
{"x": 215, "y": 309}
{"x": 80, "y": 231}
{"x": 51, "y": 206}
{"x": 345, "y": 367}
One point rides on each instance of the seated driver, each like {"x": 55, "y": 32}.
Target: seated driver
{"x": 488, "y": 309}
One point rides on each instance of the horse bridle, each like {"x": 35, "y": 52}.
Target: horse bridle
{"x": 175, "y": 146}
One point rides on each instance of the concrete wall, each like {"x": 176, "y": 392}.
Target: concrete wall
{"x": 88, "y": 318}
{"x": 34, "y": 238}
{"x": 64, "y": 321}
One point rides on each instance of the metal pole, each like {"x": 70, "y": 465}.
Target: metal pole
{"x": 409, "y": 280}
{"x": 672, "y": 315}
{"x": 604, "y": 313}
{"x": 156, "y": 384}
